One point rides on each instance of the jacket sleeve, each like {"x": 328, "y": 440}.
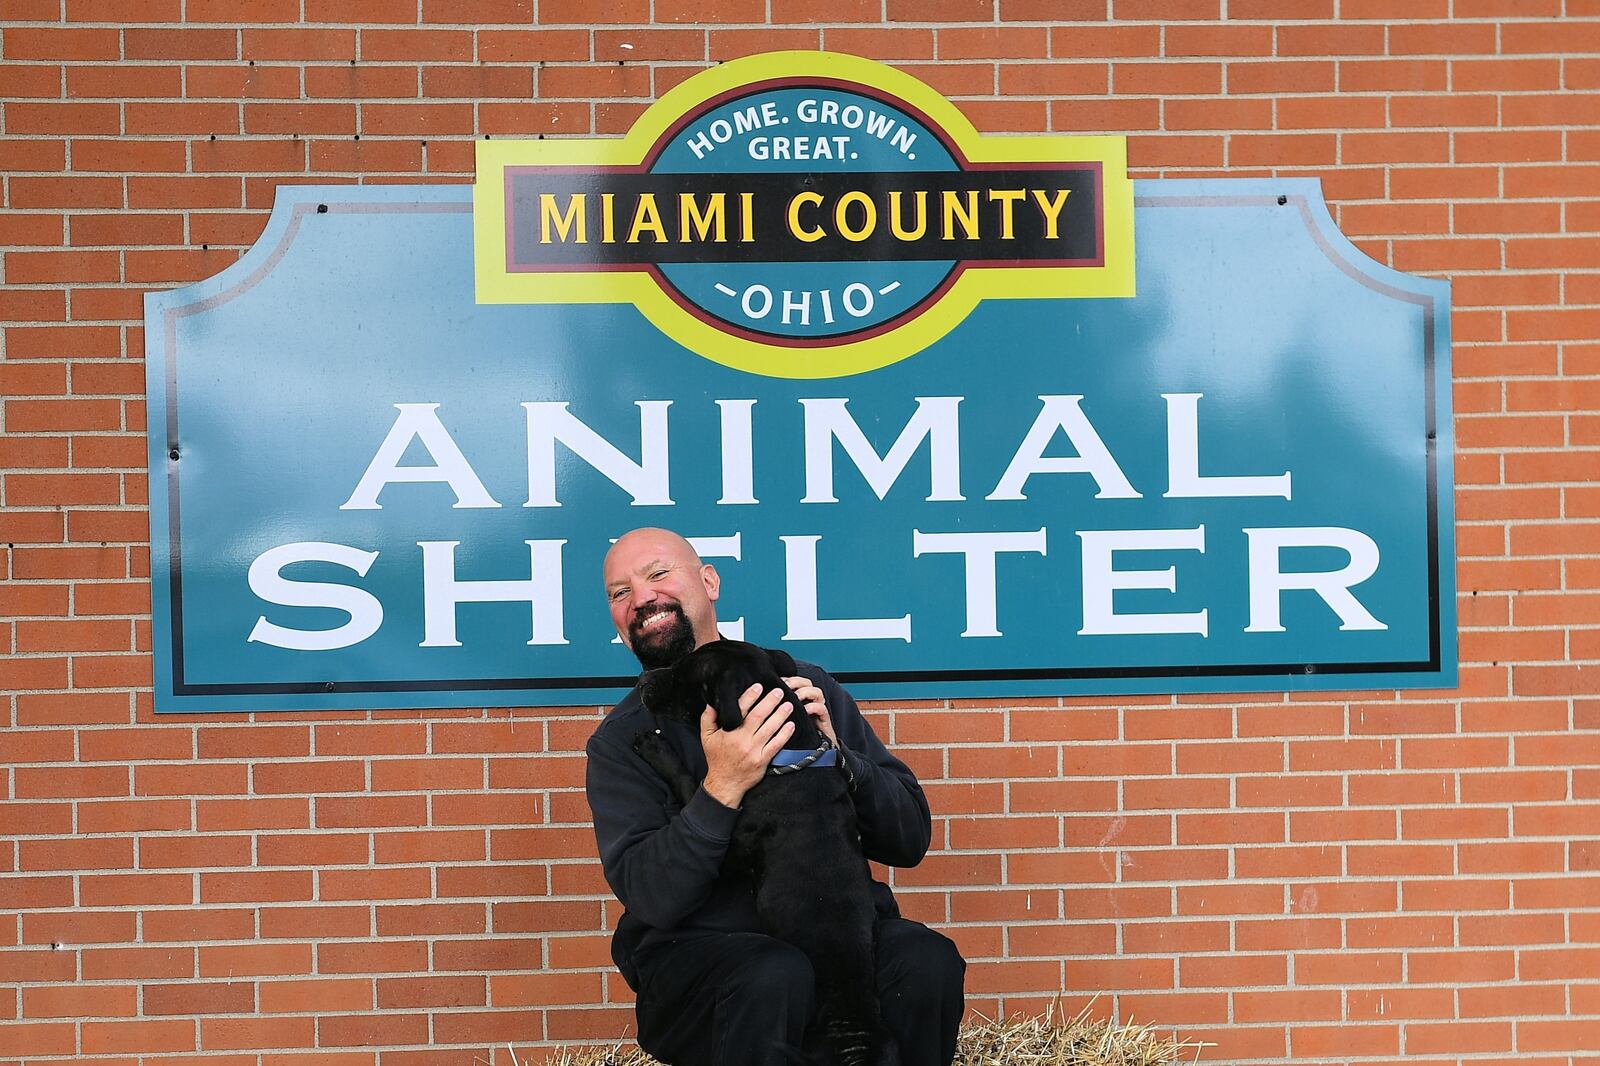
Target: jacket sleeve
{"x": 891, "y": 810}
{"x": 661, "y": 863}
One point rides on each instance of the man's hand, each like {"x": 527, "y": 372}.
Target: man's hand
{"x": 815, "y": 704}
{"x": 737, "y": 758}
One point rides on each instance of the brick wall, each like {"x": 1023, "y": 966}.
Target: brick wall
{"x": 1353, "y": 877}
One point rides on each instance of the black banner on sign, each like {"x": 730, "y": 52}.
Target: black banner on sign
{"x": 561, "y": 218}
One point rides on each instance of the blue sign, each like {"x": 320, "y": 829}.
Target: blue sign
{"x": 390, "y": 445}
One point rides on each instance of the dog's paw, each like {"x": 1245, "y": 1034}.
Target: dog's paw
{"x": 648, "y": 745}
{"x": 653, "y": 748}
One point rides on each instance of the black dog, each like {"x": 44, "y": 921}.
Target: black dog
{"x": 796, "y": 838}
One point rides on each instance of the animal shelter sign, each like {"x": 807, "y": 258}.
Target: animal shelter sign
{"x": 908, "y": 388}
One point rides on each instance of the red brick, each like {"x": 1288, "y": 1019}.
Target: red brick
{"x": 1448, "y": 1037}
{"x": 253, "y": 741}
{"x": 295, "y": 923}
{"x": 1461, "y": 966}
{"x": 193, "y": 924}
{"x": 395, "y": 956}
{"x": 478, "y": 12}
{"x": 82, "y": 927}
{"x": 533, "y": 990}
{"x": 200, "y": 998}
{"x": 256, "y": 82}
{"x": 825, "y": 10}
{"x": 48, "y": 155}
{"x": 1166, "y": 78}
{"x": 142, "y": 1037}
{"x": 726, "y": 44}
{"x": 390, "y": 883}
{"x": 118, "y": 964}
{"x": 1066, "y": 79}
{"x": 300, "y": 119}
{"x": 424, "y": 45}
{"x": 954, "y": 79}
{"x": 97, "y": 1001}
{"x": 536, "y": 117}
{"x": 315, "y": 996}
{"x": 18, "y": 229}
{"x": 1233, "y": 40}
{"x": 33, "y": 305}
{"x": 229, "y": 1034}
{"x": 255, "y": 960}
{"x": 1557, "y": 1036}
{"x": 283, "y": 155}
{"x": 72, "y": 117}
{"x": 1330, "y": 40}
{"x": 189, "y": 780}
{"x": 1229, "y": 899}
{"x": 1407, "y": 931}
{"x": 256, "y": 886}
{"x": 1150, "y": 9}
{"x": 111, "y": 890}
{"x": 371, "y": 811}
{"x": 1243, "y": 114}
{"x": 194, "y": 852}
{"x": 320, "y": 777}
{"x": 420, "y": 119}
{"x": 301, "y": 44}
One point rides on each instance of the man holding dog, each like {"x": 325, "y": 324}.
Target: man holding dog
{"x": 712, "y": 990}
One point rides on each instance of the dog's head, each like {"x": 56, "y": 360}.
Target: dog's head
{"x": 717, "y": 674}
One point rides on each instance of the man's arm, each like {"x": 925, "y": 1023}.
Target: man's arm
{"x": 891, "y": 810}
{"x": 662, "y": 868}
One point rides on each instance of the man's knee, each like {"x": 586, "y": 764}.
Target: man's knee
{"x": 774, "y": 973}
{"x": 917, "y": 963}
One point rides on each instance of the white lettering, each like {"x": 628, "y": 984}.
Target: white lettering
{"x": 441, "y": 592}
{"x": 1101, "y": 579}
{"x": 646, "y": 481}
{"x": 1184, "y": 479}
{"x": 979, "y": 551}
{"x": 747, "y": 302}
{"x": 418, "y": 421}
{"x": 267, "y": 581}
{"x": 801, "y": 306}
{"x": 1093, "y": 458}
{"x": 864, "y": 298}
{"x": 800, "y": 556}
{"x": 934, "y": 420}
{"x": 1268, "y": 581}
{"x": 738, "y": 455}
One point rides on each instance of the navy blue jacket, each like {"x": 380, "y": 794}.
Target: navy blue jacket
{"x": 664, "y": 861}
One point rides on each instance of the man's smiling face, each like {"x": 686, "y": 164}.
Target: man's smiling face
{"x": 661, "y": 596}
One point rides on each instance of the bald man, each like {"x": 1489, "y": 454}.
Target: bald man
{"x": 712, "y": 990}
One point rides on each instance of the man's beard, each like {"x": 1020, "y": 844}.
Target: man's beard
{"x": 664, "y": 644}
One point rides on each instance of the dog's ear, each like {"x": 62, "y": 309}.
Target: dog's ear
{"x": 663, "y": 693}
{"x": 720, "y": 673}
{"x": 782, "y": 662}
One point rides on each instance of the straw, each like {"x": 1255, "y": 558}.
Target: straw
{"x": 1021, "y": 1040}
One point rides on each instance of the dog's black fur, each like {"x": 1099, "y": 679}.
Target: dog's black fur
{"x": 796, "y": 837}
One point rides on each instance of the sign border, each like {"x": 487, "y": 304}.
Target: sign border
{"x": 296, "y": 204}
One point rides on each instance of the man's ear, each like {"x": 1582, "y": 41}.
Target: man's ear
{"x": 782, "y": 662}
{"x": 712, "y": 580}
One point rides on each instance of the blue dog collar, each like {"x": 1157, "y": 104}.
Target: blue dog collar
{"x": 788, "y": 760}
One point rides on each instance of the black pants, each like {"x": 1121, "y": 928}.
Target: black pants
{"x": 743, "y": 999}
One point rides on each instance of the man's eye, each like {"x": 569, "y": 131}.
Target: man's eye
{"x": 617, "y": 594}
{"x": 658, "y": 575}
